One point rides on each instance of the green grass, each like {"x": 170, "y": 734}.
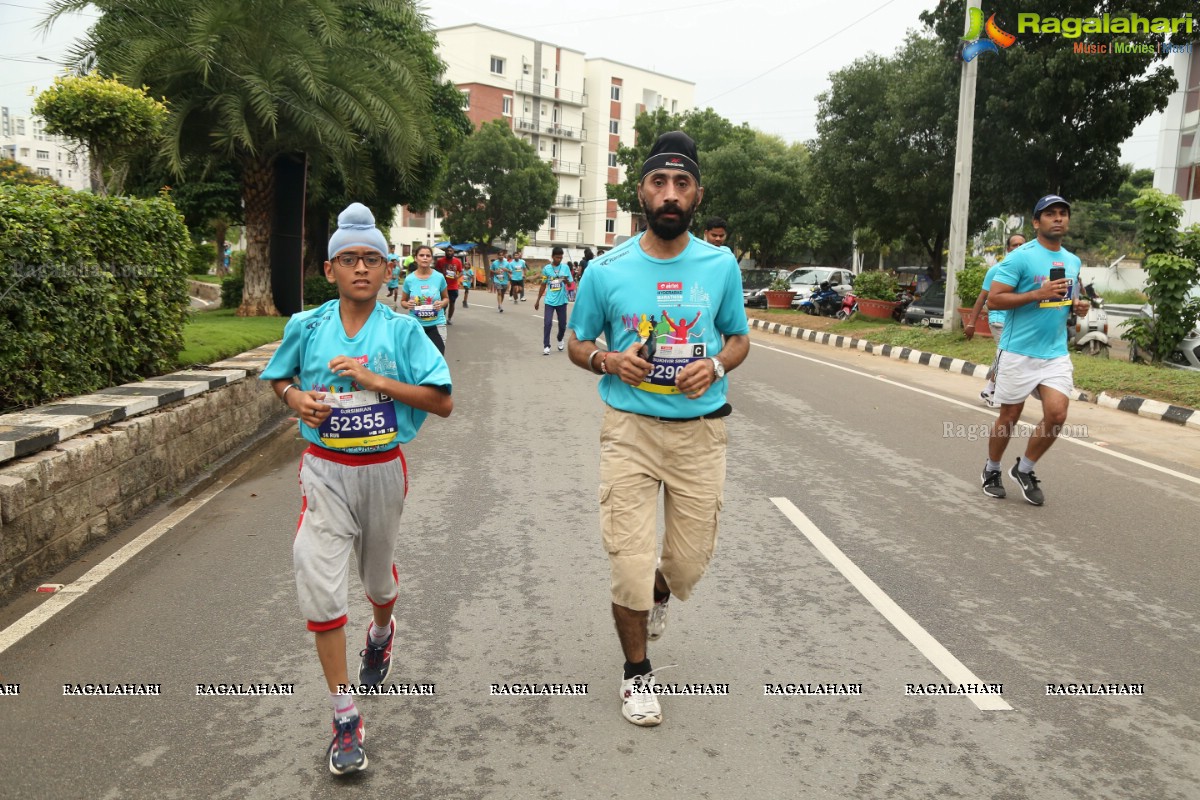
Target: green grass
{"x": 206, "y": 278}
{"x": 1124, "y": 297}
{"x": 213, "y": 335}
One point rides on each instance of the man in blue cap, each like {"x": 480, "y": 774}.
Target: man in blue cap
{"x": 666, "y": 395}
{"x": 1037, "y": 284}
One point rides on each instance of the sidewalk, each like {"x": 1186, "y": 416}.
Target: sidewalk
{"x": 1142, "y": 406}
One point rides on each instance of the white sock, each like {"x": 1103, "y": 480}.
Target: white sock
{"x": 990, "y": 388}
{"x": 343, "y": 706}
{"x": 379, "y": 635}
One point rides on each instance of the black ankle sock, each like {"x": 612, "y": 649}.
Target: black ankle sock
{"x": 632, "y": 669}
{"x": 661, "y": 597}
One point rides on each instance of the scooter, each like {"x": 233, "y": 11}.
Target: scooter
{"x": 849, "y": 306}
{"x": 1089, "y": 334}
{"x": 825, "y": 301}
{"x": 1186, "y": 354}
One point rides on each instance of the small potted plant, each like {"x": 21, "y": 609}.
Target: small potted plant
{"x": 779, "y": 293}
{"x": 876, "y": 293}
{"x": 969, "y": 283}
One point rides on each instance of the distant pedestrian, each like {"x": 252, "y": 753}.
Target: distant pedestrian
{"x": 425, "y": 295}
{"x": 393, "y": 268}
{"x": 452, "y": 269}
{"x": 995, "y": 320}
{"x": 556, "y": 277}
{"x": 468, "y": 281}
{"x": 500, "y": 280}
{"x": 1037, "y": 284}
{"x": 516, "y": 275}
{"x": 715, "y": 231}
{"x": 361, "y": 378}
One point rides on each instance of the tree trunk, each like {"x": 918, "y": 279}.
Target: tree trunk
{"x": 220, "y": 227}
{"x": 258, "y": 203}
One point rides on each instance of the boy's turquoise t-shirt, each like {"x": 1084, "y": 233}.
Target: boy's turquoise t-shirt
{"x": 391, "y": 345}
{"x": 1037, "y": 330}
{"x": 425, "y": 292}
{"x": 687, "y": 303}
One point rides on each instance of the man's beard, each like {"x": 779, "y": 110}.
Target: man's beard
{"x": 669, "y": 229}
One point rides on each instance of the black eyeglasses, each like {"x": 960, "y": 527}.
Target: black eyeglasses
{"x": 350, "y": 260}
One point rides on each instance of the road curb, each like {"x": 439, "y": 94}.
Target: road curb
{"x": 1142, "y": 406}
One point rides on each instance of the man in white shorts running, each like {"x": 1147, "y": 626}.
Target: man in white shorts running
{"x": 1037, "y": 284}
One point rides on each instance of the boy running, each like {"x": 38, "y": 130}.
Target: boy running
{"x": 555, "y": 277}
{"x": 361, "y": 378}
{"x": 500, "y": 281}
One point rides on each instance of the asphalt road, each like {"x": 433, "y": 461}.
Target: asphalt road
{"x": 503, "y": 580}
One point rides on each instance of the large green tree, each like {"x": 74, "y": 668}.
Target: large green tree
{"x": 250, "y": 81}
{"x": 885, "y": 147}
{"x": 761, "y": 189}
{"x": 496, "y": 187}
{"x": 1049, "y": 119}
{"x": 113, "y": 122}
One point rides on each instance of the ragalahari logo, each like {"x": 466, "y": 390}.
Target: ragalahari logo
{"x": 976, "y": 44}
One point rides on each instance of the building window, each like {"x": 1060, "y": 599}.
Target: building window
{"x": 497, "y": 65}
{"x": 20, "y": 127}
{"x": 553, "y": 221}
{"x": 528, "y": 107}
{"x": 466, "y": 106}
{"x": 507, "y": 109}
{"x": 610, "y": 226}
{"x": 674, "y": 106}
{"x": 59, "y": 174}
{"x": 25, "y": 152}
{"x": 615, "y": 93}
{"x": 524, "y": 69}
{"x": 614, "y": 126}
{"x": 43, "y": 171}
{"x": 43, "y": 155}
{"x": 612, "y": 159}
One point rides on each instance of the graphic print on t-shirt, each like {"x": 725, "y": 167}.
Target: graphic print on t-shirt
{"x": 678, "y": 341}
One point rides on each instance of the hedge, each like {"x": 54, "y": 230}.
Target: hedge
{"x": 93, "y": 291}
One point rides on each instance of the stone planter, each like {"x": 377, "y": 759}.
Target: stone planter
{"x": 779, "y": 299}
{"x": 981, "y": 324}
{"x": 876, "y": 309}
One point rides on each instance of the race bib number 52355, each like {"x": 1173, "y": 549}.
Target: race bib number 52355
{"x": 359, "y": 419}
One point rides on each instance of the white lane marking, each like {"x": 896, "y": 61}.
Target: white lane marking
{"x": 1095, "y": 448}
{"x": 78, "y": 588}
{"x": 954, "y": 670}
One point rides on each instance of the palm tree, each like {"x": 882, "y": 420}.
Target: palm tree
{"x": 251, "y": 81}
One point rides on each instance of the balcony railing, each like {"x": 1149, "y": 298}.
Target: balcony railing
{"x": 567, "y": 201}
{"x": 567, "y": 167}
{"x": 552, "y": 92}
{"x": 550, "y": 129}
{"x": 552, "y": 236}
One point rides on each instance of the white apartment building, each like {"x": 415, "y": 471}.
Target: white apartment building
{"x": 23, "y": 139}
{"x": 545, "y": 92}
{"x": 1177, "y": 166}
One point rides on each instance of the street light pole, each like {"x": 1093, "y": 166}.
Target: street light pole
{"x": 960, "y": 200}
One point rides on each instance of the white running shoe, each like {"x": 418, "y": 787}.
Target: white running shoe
{"x": 988, "y": 398}
{"x": 545, "y": 351}
{"x": 656, "y": 626}
{"x": 561, "y": 346}
{"x": 639, "y": 703}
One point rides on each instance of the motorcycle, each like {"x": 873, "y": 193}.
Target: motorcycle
{"x": 903, "y": 301}
{"x": 1089, "y": 334}
{"x": 849, "y": 306}
{"x": 825, "y": 301}
{"x": 1186, "y": 354}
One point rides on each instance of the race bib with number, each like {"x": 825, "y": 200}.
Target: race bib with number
{"x": 668, "y": 360}
{"x": 555, "y": 285}
{"x": 1066, "y": 301}
{"x": 359, "y": 419}
{"x": 425, "y": 312}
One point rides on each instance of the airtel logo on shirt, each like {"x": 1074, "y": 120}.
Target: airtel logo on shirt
{"x": 670, "y": 286}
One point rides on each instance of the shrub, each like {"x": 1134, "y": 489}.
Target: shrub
{"x": 1173, "y": 264}
{"x": 875, "y": 285}
{"x": 204, "y": 258}
{"x": 318, "y": 290}
{"x": 93, "y": 291}
{"x": 970, "y": 284}
{"x": 231, "y": 290}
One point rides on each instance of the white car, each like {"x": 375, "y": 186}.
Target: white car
{"x": 805, "y": 280}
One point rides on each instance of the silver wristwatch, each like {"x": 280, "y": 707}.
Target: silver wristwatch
{"x": 718, "y": 368}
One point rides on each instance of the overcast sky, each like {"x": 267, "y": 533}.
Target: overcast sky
{"x": 757, "y": 61}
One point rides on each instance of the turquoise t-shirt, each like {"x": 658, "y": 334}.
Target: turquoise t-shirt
{"x": 394, "y": 264}
{"x": 688, "y": 303}
{"x": 556, "y": 280}
{"x": 499, "y": 273}
{"x": 391, "y": 345}
{"x": 516, "y": 268}
{"x": 994, "y": 317}
{"x": 1037, "y": 330}
{"x": 425, "y": 292}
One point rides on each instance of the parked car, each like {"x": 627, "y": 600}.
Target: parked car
{"x": 928, "y": 309}
{"x": 754, "y": 284}
{"x": 805, "y": 280}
